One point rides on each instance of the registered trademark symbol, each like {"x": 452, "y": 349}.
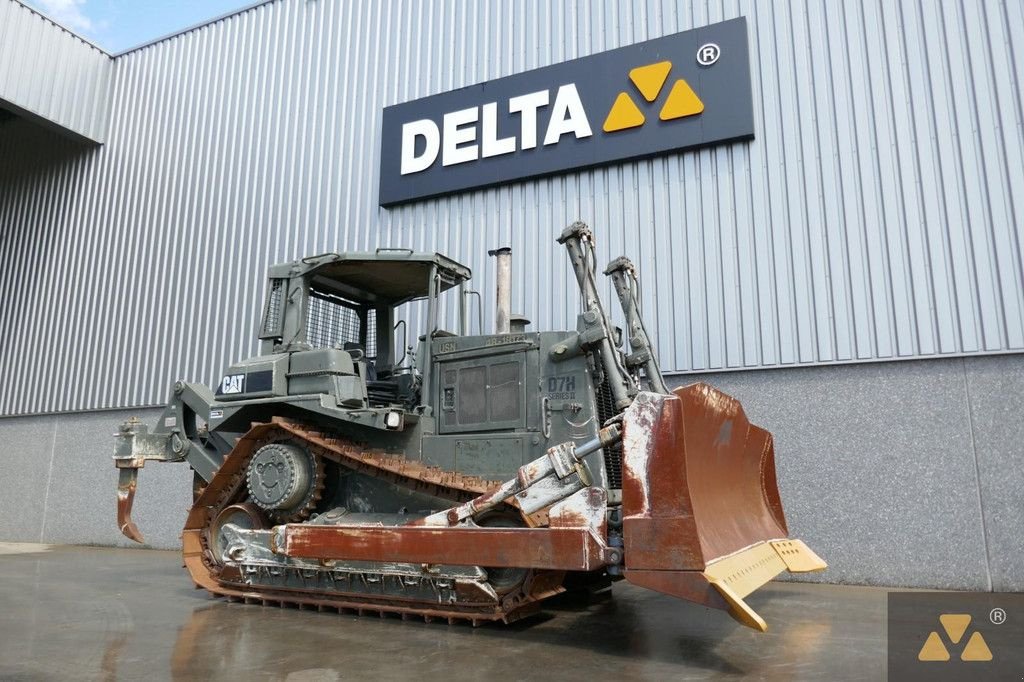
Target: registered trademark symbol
{"x": 997, "y": 616}
{"x": 708, "y": 54}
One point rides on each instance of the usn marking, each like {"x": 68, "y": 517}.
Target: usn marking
{"x": 505, "y": 338}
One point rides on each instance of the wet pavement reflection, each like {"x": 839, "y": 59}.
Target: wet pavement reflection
{"x": 108, "y": 614}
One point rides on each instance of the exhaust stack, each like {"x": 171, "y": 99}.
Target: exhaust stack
{"x": 503, "y": 310}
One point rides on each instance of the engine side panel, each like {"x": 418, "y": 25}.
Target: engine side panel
{"x": 502, "y": 400}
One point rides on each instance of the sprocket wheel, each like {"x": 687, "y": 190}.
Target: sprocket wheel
{"x": 285, "y": 480}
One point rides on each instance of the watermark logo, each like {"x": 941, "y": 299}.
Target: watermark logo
{"x": 971, "y": 636}
{"x": 955, "y": 625}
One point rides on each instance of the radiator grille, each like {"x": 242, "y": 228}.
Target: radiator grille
{"x": 503, "y": 395}
{"x": 612, "y": 453}
{"x": 472, "y": 395}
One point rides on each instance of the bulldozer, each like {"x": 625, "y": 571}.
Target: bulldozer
{"x": 461, "y": 477}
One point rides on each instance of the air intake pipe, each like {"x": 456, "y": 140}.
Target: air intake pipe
{"x": 503, "y": 310}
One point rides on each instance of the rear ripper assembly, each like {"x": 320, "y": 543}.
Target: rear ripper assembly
{"x": 470, "y": 479}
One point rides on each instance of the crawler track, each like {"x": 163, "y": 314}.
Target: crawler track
{"x": 228, "y": 487}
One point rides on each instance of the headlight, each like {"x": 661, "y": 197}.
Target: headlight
{"x": 393, "y": 420}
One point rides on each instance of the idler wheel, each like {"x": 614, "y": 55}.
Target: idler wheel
{"x": 247, "y": 516}
{"x": 503, "y": 579}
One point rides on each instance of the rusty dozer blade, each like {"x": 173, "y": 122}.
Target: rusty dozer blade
{"x": 702, "y": 518}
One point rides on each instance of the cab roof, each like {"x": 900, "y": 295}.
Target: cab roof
{"x": 385, "y": 276}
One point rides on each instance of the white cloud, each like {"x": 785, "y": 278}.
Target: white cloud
{"x": 69, "y": 13}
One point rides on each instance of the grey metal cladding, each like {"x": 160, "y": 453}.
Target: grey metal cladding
{"x": 50, "y": 73}
{"x": 877, "y": 215}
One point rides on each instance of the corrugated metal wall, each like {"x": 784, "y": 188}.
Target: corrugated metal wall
{"x": 52, "y": 73}
{"x": 876, "y": 215}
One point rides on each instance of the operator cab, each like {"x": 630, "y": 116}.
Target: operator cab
{"x": 346, "y": 302}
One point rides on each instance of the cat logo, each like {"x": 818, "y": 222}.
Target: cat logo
{"x": 681, "y": 102}
{"x": 232, "y": 383}
{"x": 955, "y": 625}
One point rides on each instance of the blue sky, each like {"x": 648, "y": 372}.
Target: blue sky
{"x": 116, "y": 25}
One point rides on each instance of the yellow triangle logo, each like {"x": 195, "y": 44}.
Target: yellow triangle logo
{"x": 976, "y": 649}
{"x": 624, "y": 114}
{"x": 955, "y": 625}
{"x": 682, "y": 101}
{"x": 649, "y": 79}
{"x": 933, "y": 649}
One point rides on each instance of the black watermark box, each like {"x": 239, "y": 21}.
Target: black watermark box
{"x": 938, "y": 636}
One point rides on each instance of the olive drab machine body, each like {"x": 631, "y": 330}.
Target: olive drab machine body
{"x": 357, "y": 464}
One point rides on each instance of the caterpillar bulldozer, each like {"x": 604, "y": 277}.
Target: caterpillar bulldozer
{"x": 463, "y": 477}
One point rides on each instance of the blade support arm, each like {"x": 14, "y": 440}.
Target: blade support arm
{"x": 624, "y": 278}
{"x": 571, "y": 549}
{"x": 544, "y": 481}
{"x": 575, "y": 540}
{"x": 579, "y": 242}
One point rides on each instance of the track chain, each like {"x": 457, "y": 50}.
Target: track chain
{"x": 229, "y": 482}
